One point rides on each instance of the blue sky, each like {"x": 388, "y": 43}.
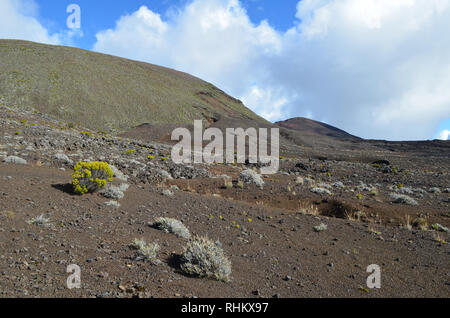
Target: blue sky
{"x": 102, "y": 14}
{"x": 379, "y": 69}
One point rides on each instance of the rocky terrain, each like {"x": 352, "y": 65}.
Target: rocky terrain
{"x": 394, "y": 213}
{"x": 337, "y": 205}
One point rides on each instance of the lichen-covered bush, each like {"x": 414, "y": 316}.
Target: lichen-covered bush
{"x": 439, "y": 227}
{"x": 251, "y": 177}
{"x": 403, "y": 199}
{"x": 173, "y": 226}
{"x": 115, "y": 193}
{"x": 146, "y": 251}
{"x": 320, "y": 228}
{"x": 434, "y": 190}
{"x": 129, "y": 152}
{"x": 15, "y": 160}
{"x": 227, "y": 183}
{"x": 87, "y": 134}
{"x": 40, "y": 220}
{"x": 204, "y": 258}
{"x": 320, "y": 191}
{"x": 90, "y": 177}
{"x": 403, "y": 190}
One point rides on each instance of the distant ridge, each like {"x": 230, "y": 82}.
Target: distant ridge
{"x": 314, "y": 128}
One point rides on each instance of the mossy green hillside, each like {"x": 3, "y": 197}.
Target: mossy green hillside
{"x": 106, "y": 93}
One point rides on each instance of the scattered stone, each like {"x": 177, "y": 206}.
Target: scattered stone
{"x": 363, "y": 187}
{"x": 118, "y": 174}
{"x": 403, "y": 190}
{"x": 419, "y": 191}
{"x": 251, "y": 177}
{"x": 338, "y": 185}
{"x": 324, "y": 186}
{"x": 167, "y": 193}
{"x": 188, "y": 172}
{"x": 113, "y": 204}
{"x": 62, "y": 158}
{"x": 381, "y": 163}
{"x": 15, "y": 160}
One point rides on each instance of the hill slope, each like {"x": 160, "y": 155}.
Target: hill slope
{"x": 107, "y": 93}
{"x": 312, "y": 127}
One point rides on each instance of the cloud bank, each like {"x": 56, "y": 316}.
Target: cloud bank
{"x": 18, "y": 21}
{"x": 377, "y": 68}
{"x": 444, "y": 135}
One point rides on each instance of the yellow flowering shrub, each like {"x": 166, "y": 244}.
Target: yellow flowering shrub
{"x": 87, "y": 134}
{"x": 129, "y": 152}
{"x": 89, "y": 177}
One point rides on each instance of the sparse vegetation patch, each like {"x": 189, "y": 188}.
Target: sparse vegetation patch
{"x": 173, "y": 226}
{"x": 321, "y": 191}
{"x": 40, "y": 220}
{"x": 251, "y": 177}
{"x": 403, "y": 199}
{"x": 146, "y": 251}
{"x": 320, "y": 228}
{"x": 204, "y": 258}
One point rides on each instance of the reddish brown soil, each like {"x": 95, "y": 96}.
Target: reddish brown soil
{"x": 271, "y": 243}
{"x": 264, "y": 252}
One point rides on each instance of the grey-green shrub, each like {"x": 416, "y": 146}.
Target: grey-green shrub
{"x": 251, "y": 177}
{"x": 320, "y": 191}
{"x": 204, "y": 258}
{"x": 146, "y": 251}
{"x": 320, "y": 228}
{"x": 173, "y": 226}
{"x": 403, "y": 199}
{"x": 439, "y": 227}
{"x": 40, "y": 220}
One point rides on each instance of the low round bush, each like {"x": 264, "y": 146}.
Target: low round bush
{"x": 90, "y": 177}
{"x": 204, "y": 258}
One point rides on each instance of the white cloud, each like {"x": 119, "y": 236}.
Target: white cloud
{"x": 269, "y": 103}
{"x": 377, "y": 68}
{"x": 444, "y": 135}
{"x": 17, "y": 21}
{"x": 139, "y": 36}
